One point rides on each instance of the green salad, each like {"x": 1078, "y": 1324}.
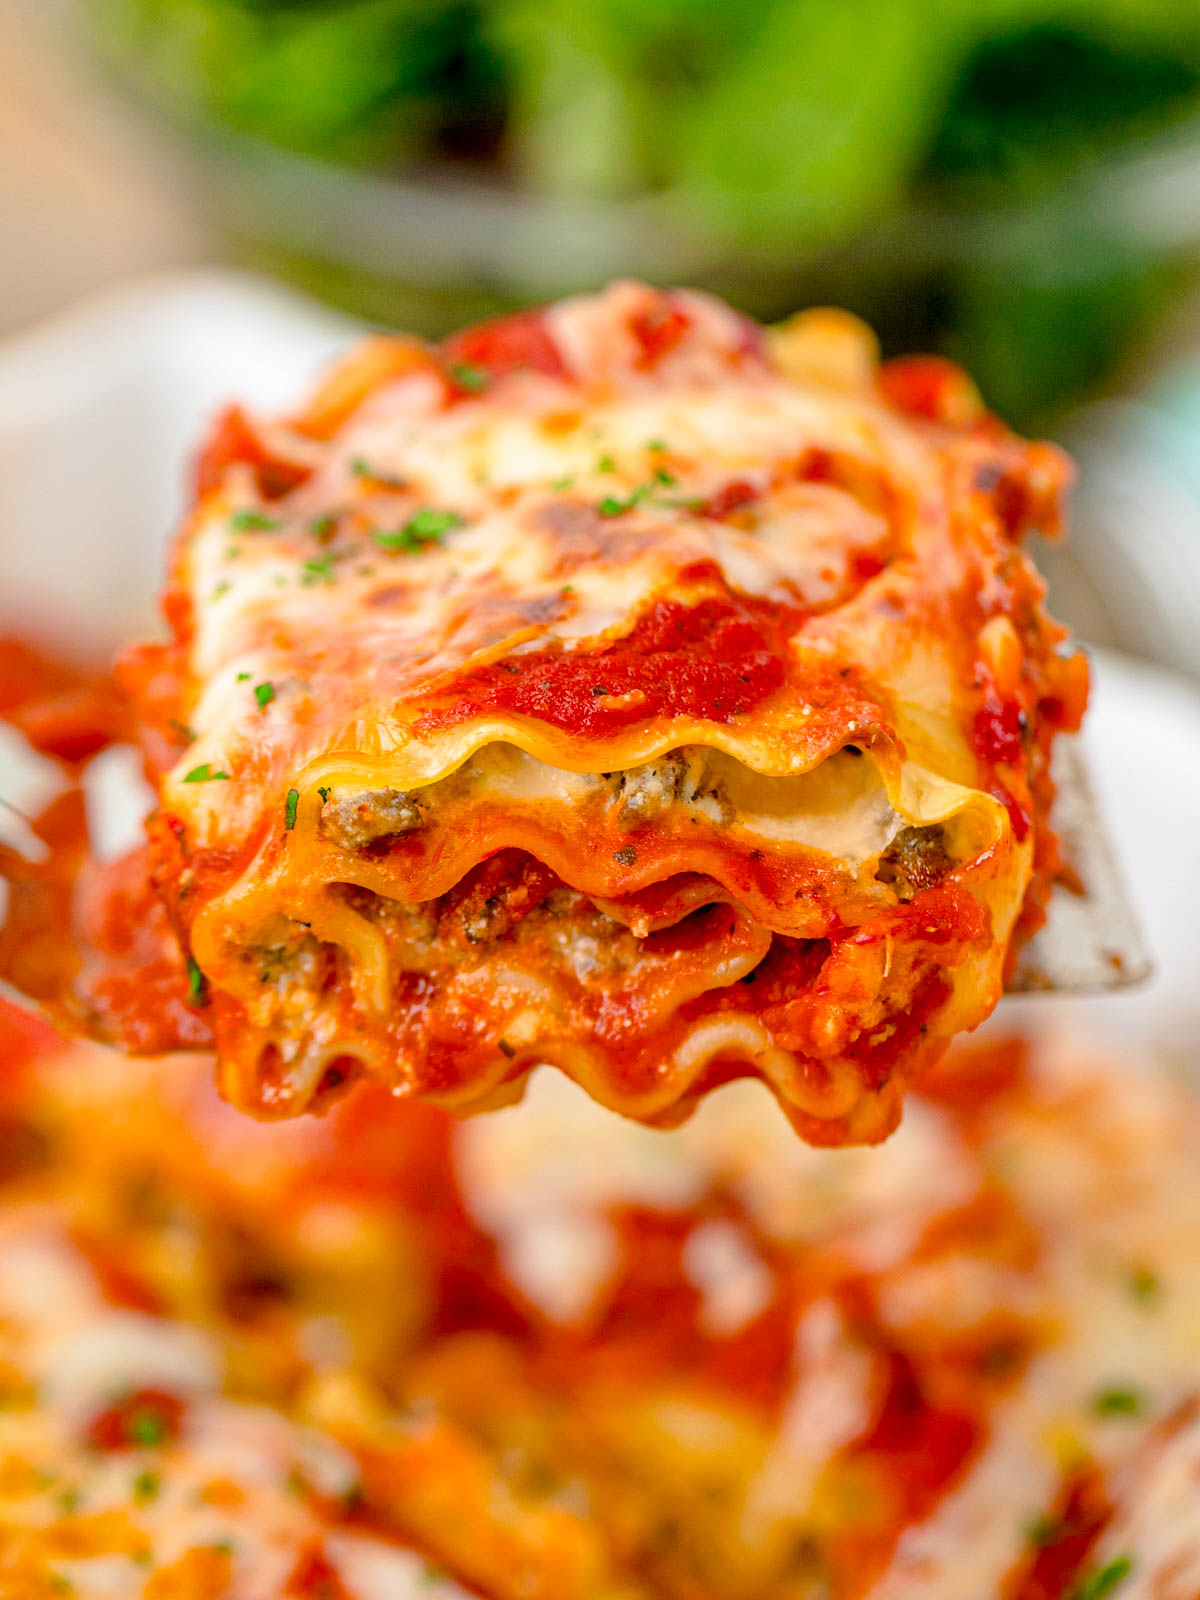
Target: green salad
{"x": 789, "y": 127}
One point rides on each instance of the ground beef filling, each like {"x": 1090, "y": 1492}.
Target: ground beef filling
{"x": 916, "y": 859}
{"x": 357, "y": 820}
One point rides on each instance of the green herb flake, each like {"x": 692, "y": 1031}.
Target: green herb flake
{"x": 657, "y": 445}
{"x": 61, "y": 1584}
{"x": 197, "y": 983}
{"x": 264, "y": 693}
{"x": 146, "y": 1486}
{"x": 146, "y": 1427}
{"x": 204, "y": 774}
{"x": 1104, "y": 1580}
{"x": 466, "y": 376}
{"x": 318, "y": 570}
{"x": 1119, "y": 1401}
{"x": 1144, "y": 1284}
{"x": 324, "y": 793}
{"x": 242, "y": 676}
{"x": 1044, "y": 1530}
{"x": 424, "y": 527}
{"x": 252, "y": 521}
{"x": 221, "y": 588}
{"x": 606, "y": 464}
{"x": 69, "y": 1499}
{"x": 289, "y": 810}
{"x": 181, "y": 728}
{"x": 363, "y": 469}
{"x": 559, "y": 484}
{"x": 323, "y": 528}
{"x": 667, "y": 479}
{"x": 610, "y": 506}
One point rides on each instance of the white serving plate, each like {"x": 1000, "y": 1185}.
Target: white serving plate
{"x": 100, "y": 411}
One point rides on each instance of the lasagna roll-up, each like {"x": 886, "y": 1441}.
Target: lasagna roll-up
{"x": 619, "y": 686}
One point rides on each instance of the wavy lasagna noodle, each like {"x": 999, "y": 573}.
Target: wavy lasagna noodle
{"x": 548, "y": 1355}
{"x": 618, "y": 686}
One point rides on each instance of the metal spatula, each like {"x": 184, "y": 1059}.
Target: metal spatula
{"x": 1091, "y": 941}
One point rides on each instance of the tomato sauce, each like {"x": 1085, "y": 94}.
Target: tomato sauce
{"x": 142, "y": 1420}
{"x": 712, "y": 661}
{"x": 518, "y": 342}
{"x": 1064, "y": 1540}
{"x": 657, "y": 329}
{"x": 315, "y": 1578}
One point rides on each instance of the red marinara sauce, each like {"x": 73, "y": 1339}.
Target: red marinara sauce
{"x": 712, "y": 661}
{"x": 143, "y": 1420}
{"x": 519, "y": 342}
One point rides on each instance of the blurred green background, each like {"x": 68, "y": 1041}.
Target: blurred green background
{"x": 997, "y": 179}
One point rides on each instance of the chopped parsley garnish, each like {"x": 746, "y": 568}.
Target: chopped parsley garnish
{"x": 1144, "y": 1283}
{"x": 427, "y": 526}
{"x": 221, "y": 588}
{"x": 289, "y": 812}
{"x": 606, "y": 464}
{"x": 667, "y": 479}
{"x": 203, "y": 774}
{"x": 1044, "y": 1530}
{"x": 324, "y": 793}
{"x": 242, "y": 676}
{"x": 252, "y": 521}
{"x": 147, "y": 1426}
{"x": 1119, "y": 1401}
{"x": 1104, "y": 1580}
{"x": 560, "y": 484}
{"x": 469, "y": 377}
{"x": 318, "y": 570}
{"x": 363, "y": 469}
{"x": 146, "y": 1486}
{"x": 264, "y": 693}
{"x": 197, "y": 983}
{"x": 657, "y": 445}
{"x": 610, "y": 506}
{"x": 323, "y": 528}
